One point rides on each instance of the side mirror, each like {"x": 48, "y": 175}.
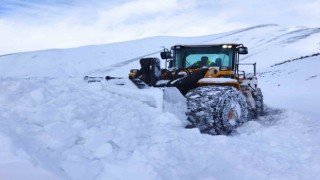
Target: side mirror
{"x": 243, "y": 50}
{"x": 165, "y": 55}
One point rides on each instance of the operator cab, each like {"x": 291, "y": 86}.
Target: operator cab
{"x": 220, "y": 56}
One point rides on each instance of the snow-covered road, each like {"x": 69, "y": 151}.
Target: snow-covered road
{"x": 69, "y": 129}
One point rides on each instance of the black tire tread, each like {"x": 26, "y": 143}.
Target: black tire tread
{"x": 207, "y": 107}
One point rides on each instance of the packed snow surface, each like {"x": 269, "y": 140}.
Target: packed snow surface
{"x": 55, "y": 125}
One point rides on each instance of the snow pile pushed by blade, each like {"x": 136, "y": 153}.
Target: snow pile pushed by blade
{"x": 78, "y": 130}
{"x": 174, "y": 102}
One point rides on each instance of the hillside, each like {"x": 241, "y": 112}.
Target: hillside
{"x": 54, "y": 125}
{"x": 268, "y": 44}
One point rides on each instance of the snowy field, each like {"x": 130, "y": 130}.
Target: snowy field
{"x": 54, "y": 125}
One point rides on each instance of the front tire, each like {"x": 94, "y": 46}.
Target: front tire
{"x": 259, "y": 103}
{"x": 216, "y": 109}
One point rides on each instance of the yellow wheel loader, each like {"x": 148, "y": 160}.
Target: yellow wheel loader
{"x": 219, "y": 96}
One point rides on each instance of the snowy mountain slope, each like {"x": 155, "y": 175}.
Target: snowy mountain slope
{"x": 268, "y": 44}
{"x": 65, "y": 128}
{"x": 273, "y": 44}
{"x": 263, "y": 42}
{"x": 294, "y": 85}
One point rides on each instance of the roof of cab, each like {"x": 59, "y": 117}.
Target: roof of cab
{"x": 208, "y": 45}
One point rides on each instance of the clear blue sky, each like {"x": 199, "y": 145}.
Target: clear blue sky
{"x": 39, "y": 24}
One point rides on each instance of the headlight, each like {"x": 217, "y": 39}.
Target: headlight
{"x": 226, "y": 46}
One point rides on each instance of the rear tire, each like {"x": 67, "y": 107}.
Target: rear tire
{"x": 216, "y": 109}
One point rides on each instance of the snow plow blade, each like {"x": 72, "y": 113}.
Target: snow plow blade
{"x": 91, "y": 79}
{"x": 139, "y": 83}
{"x": 136, "y": 81}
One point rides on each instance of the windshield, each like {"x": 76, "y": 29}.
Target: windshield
{"x": 194, "y": 57}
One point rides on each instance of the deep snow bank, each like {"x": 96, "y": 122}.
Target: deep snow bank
{"x": 16, "y": 164}
{"x": 104, "y": 131}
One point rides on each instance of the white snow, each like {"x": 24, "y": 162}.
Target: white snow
{"x": 15, "y": 163}
{"x": 55, "y": 125}
{"x": 217, "y": 80}
{"x": 294, "y": 85}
